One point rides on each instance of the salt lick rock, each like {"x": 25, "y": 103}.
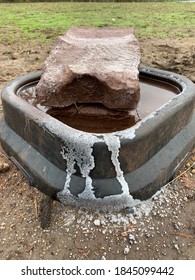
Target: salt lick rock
{"x": 92, "y": 66}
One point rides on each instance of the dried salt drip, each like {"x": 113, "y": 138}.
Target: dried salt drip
{"x": 80, "y": 153}
{"x": 113, "y": 143}
{"x": 76, "y": 151}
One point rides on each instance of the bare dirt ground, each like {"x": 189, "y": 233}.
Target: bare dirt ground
{"x": 167, "y": 231}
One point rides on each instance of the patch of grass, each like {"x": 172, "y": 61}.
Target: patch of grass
{"x": 45, "y": 21}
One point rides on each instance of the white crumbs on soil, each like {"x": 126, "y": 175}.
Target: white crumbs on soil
{"x": 163, "y": 203}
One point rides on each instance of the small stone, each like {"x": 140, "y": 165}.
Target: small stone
{"x": 176, "y": 247}
{"x": 4, "y": 166}
{"x": 14, "y": 56}
{"x": 97, "y": 222}
{"x": 103, "y": 258}
{"x": 129, "y": 210}
{"x": 103, "y": 222}
{"x": 131, "y": 239}
{"x": 176, "y": 226}
{"x": 126, "y": 250}
{"x": 147, "y": 234}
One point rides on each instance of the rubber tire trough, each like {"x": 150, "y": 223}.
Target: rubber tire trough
{"x": 99, "y": 170}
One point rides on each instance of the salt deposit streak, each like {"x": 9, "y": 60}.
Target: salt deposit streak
{"x": 113, "y": 143}
{"x": 77, "y": 150}
{"x": 79, "y": 153}
{"x": 69, "y": 170}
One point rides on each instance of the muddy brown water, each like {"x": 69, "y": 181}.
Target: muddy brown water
{"x": 154, "y": 94}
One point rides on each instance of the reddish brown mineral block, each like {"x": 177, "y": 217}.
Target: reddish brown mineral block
{"x": 92, "y": 65}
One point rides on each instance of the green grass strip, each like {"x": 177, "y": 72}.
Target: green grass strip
{"x": 45, "y": 21}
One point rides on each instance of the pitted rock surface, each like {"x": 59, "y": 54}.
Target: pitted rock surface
{"x": 92, "y": 65}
